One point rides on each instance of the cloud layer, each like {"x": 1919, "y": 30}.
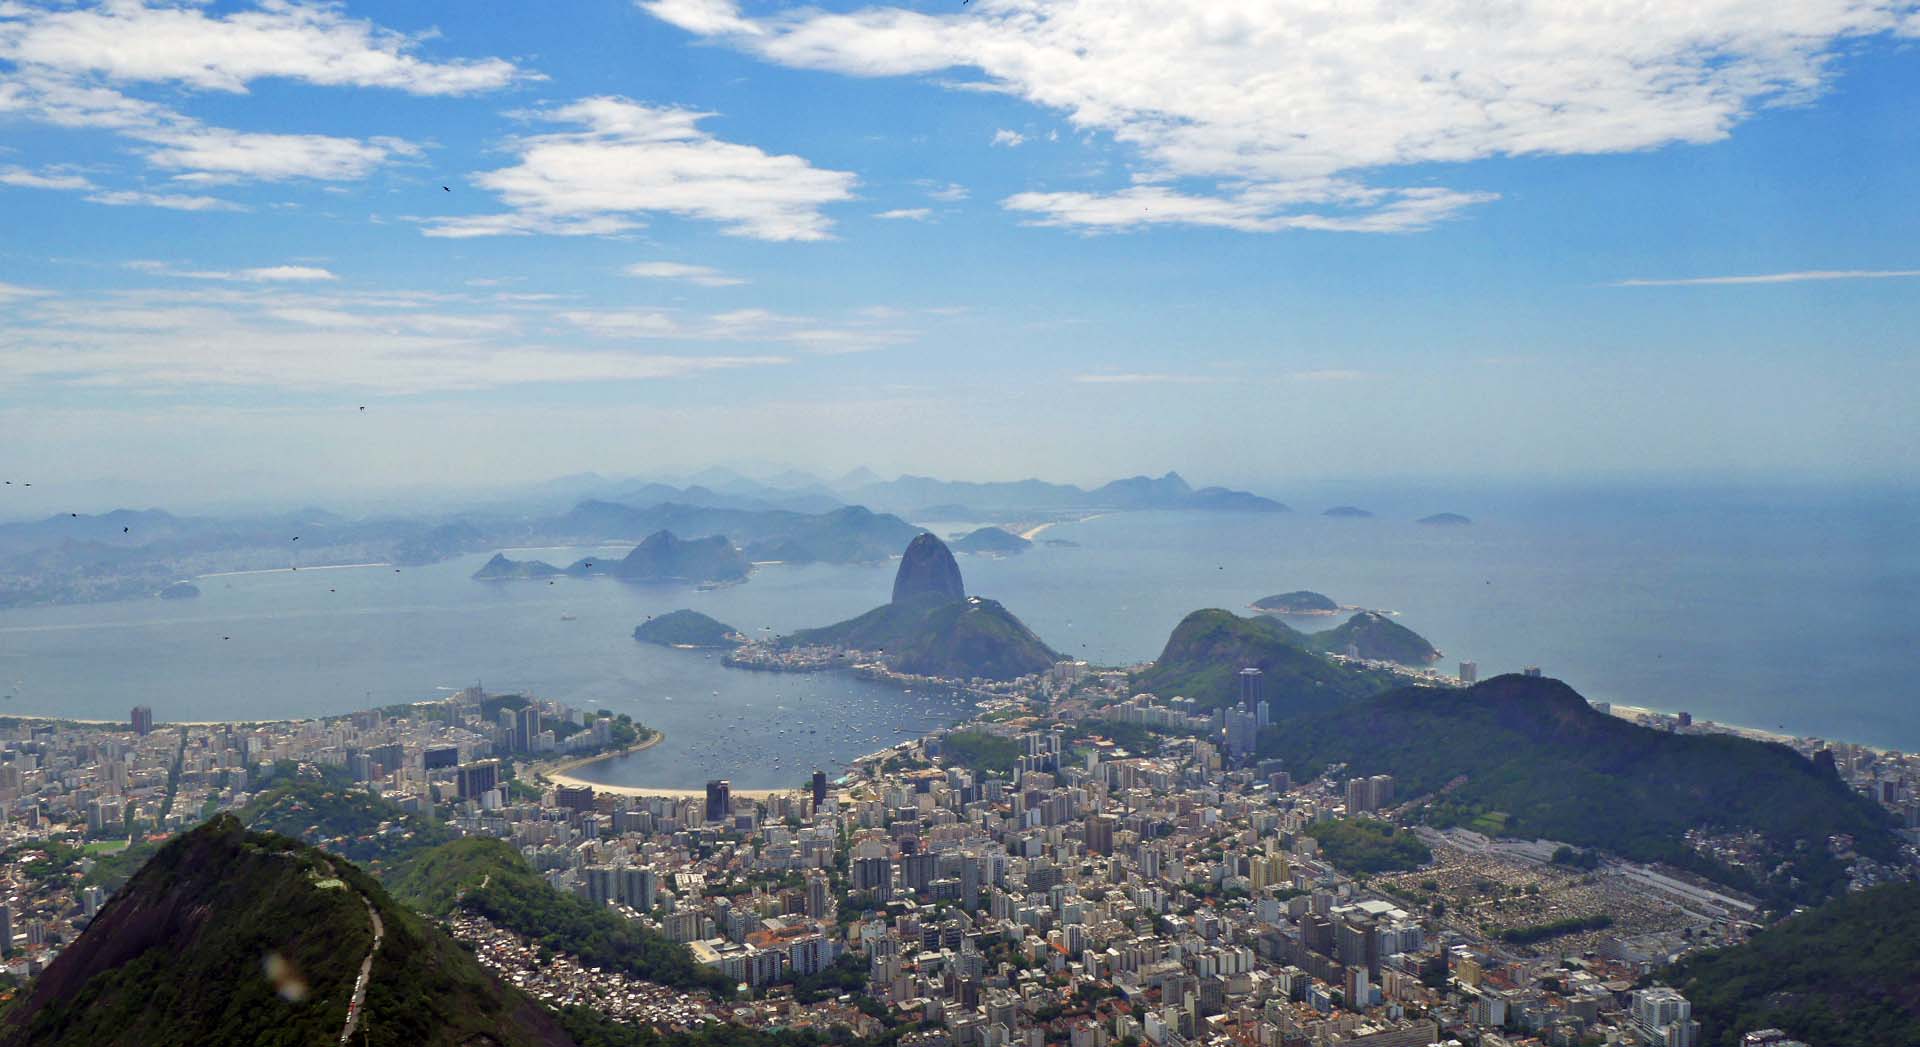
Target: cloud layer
{"x": 629, "y": 160}
{"x": 1264, "y": 115}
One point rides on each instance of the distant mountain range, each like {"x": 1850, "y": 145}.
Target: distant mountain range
{"x": 1171, "y": 491}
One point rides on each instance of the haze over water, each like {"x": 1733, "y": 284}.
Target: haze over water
{"x": 1794, "y": 614}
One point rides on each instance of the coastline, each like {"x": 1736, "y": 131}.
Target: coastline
{"x": 557, "y": 773}
{"x": 1034, "y": 532}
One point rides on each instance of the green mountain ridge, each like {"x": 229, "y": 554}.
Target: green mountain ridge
{"x": 231, "y": 937}
{"x": 488, "y": 877}
{"x": 1845, "y": 972}
{"x": 1375, "y": 637}
{"x": 1206, "y": 651}
{"x": 1538, "y": 761}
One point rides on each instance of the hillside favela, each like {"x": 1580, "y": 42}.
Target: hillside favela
{"x": 990, "y": 523}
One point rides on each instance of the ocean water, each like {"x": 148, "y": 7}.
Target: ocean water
{"x": 1782, "y": 612}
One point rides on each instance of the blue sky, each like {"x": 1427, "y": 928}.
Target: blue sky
{"x": 1260, "y": 242}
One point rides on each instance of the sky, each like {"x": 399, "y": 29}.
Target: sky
{"x": 293, "y": 250}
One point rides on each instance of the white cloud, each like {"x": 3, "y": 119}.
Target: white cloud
{"x": 218, "y": 151}
{"x": 22, "y": 178}
{"x": 169, "y": 201}
{"x": 1338, "y": 207}
{"x": 14, "y": 292}
{"x": 866, "y": 332}
{"x": 632, "y": 160}
{"x": 263, "y": 274}
{"x": 701, "y": 275}
{"x": 203, "y": 154}
{"x": 69, "y": 66}
{"x": 169, "y": 340}
{"x": 947, "y": 193}
{"x": 1775, "y": 278}
{"x": 1243, "y": 101}
{"x": 911, "y": 214}
{"x": 1142, "y": 378}
{"x": 1010, "y": 139}
{"x": 317, "y": 43}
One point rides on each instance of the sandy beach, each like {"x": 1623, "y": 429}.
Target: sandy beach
{"x": 557, "y": 774}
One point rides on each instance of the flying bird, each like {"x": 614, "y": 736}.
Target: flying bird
{"x": 296, "y": 537}
{"x": 124, "y": 530}
{"x": 448, "y": 190}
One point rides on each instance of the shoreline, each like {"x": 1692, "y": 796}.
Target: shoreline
{"x": 558, "y": 774}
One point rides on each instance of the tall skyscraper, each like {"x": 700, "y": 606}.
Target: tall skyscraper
{"x": 1469, "y": 672}
{"x": 476, "y": 779}
{"x": 819, "y": 789}
{"x": 142, "y": 720}
{"x": 719, "y": 799}
{"x": 526, "y": 728}
{"x": 1250, "y": 680}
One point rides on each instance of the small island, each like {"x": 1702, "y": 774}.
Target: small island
{"x": 1444, "y": 520}
{"x": 664, "y": 557}
{"x": 993, "y": 541}
{"x": 1301, "y": 602}
{"x": 1348, "y": 512}
{"x": 502, "y": 569}
{"x": 689, "y": 629}
{"x": 180, "y": 591}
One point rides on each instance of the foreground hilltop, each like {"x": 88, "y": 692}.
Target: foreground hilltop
{"x": 931, "y": 627}
{"x": 234, "y": 937}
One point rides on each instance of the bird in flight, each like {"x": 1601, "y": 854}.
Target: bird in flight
{"x": 448, "y": 190}
{"x": 296, "y": 537}
{"x": 124, "y": 530}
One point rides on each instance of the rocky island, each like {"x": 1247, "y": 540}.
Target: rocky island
{"x": 1444, "y": 520}
{"x": 1348, "y": 512}
{"x": 179, "y": 591}
{"x": 686, "y": 628}
{"x": 501, "y": 569}
{"x": 662, "y": 557}
{"x": 1299, "y": 602}
{"x": 930, "y": 628}
{"x": 993, "y": 541}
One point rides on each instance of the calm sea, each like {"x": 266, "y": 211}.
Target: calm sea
{"x": 1794, "y": 614}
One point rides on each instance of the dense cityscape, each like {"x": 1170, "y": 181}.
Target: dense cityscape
{"x": 1077, "y": 863}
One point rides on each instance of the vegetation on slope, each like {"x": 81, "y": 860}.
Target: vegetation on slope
{"x": 931, "y": 637}
{"x": 1369, "y": 845}
{"x": 685, "y": 628}
{"x": 178, "y": 957}
{"x": 1204, "y": 656}
{"x": 345, "y": 819}
{"x": 993, "y": 541}
{"x": 980, "y": 751}
{"x": 1299, "y": 601}
{"x": 1846, "y": 972}
{"x": 1537, "y": 761}
{"x": 488, "y": 877}
{"x": 1374, "y": 636}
